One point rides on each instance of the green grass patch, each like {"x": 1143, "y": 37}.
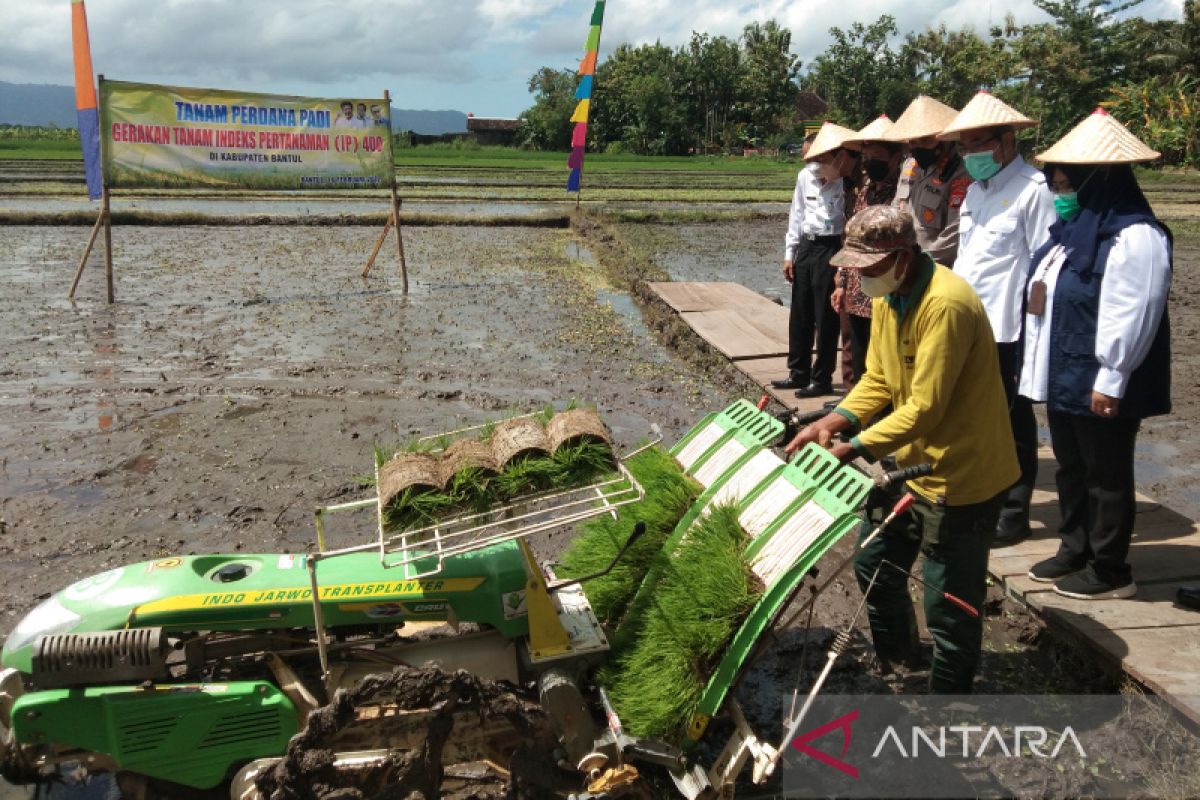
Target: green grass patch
{"x": 669, "y": 494}
{"x": 467, "y": 156}
{"x": 703, "y": 592}
{"x": 16, "y": 147}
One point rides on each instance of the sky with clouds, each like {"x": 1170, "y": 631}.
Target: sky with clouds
{"x": 469, "y": 55}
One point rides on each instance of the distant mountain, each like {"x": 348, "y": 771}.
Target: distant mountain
{"x": 432, "y": 123}
{"x": 43, "y": 104}
{"x": 37, "y": 104}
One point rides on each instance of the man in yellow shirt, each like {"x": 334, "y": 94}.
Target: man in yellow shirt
{"x": 933, "y": 359}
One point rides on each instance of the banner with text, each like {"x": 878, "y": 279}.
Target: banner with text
{"x": 166, "y": 136}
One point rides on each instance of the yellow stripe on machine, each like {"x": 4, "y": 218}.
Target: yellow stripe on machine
{"x": 378, "y": 590}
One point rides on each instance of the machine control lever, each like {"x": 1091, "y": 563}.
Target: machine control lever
{"x": 638, "y": 530}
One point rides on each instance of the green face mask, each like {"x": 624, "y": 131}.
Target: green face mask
{"x": 981, "y": 166}
{"x": 1067, "y": 205}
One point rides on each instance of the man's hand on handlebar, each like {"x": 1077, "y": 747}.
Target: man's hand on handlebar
{"x": 822, "y": 432}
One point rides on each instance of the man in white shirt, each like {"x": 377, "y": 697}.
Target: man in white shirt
{"x": 346, "y": 118}
{"x": 1005, "y": 218}
{"x": 814, "y": 234}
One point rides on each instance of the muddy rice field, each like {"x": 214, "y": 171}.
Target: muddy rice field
{"x": 245, "y": 372}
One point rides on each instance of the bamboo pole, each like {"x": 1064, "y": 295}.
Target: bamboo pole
{"x": 387, "y": 226}
{"x": 87, "y": 251}
{"x": 399, "y": 236}
{"x": 387, "y": 98}
{"x": 108, "y": 263}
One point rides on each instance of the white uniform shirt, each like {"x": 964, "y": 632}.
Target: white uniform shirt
{"x": 1133, "y": 296}
{"x": 1003, "y": 222}
{"x": 818, "y": 209}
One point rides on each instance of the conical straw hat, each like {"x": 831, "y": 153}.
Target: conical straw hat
{"x": 923, "y": 117}
{"x": 1099, "y": 139}
{"x": 874, "y": 132}
{"x": 828, "y": 139}
{"x": 985, "y": 111}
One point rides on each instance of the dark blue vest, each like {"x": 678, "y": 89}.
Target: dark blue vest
{"x": 1073, "y": 362}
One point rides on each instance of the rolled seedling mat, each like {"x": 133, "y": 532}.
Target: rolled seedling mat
{"x": 576, "y": 426}
{"x": 466, "y": 454}
{"x": 409, "y": 470}
{"x": 514, "y": 438}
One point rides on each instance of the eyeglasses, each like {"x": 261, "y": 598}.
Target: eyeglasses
{"x": 982, "y": 145}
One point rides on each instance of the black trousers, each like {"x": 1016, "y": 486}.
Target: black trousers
{"x": 1095, "y": 491}
{"x": 1014, "y": 517}
{"x": 860, "y": 339}
{"x": 812, "y": 316}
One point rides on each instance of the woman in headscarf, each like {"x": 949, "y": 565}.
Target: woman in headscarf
{"x": 1097, "y": 348}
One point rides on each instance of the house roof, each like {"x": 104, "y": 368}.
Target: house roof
{"x": 810, "y": 105}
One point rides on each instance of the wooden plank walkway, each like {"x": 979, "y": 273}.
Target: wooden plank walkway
{"x": 1151, "y": 638}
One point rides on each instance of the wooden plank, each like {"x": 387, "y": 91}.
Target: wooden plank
{"x": 1164, "y": 659}
{"x": 1026, "y": 590}
{"x": 764, "y": 370}
{"x": 1153, "y": 607}
{"x": 739, "y": 334}
{"x": 686, "y": 296}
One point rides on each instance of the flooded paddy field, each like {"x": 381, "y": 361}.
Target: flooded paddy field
{"x": 244, "y": 373}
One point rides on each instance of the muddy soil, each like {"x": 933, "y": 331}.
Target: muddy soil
{"x": 244, "y": 374}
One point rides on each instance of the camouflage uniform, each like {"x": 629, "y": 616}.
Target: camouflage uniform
{"x": 934, "y": 197}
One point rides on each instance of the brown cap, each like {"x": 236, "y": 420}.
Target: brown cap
{"x": 829, "y": 138}
{"x": 985, "y": 111}
{"x": 874, "y": 233}
{"x": 1099, "y": 139}
{"x": 923, "y": 117}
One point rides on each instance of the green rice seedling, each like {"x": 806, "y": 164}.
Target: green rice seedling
{"x": 416, "y": 508}
{"x": 669, "y": 494}
{"x": 671, "y": 640}
{"x": 581, "y": 463}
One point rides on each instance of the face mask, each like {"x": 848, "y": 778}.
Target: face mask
{"x": 880, "y": 285}
{"x": 924, "y": 156}
{"x": 828, "y": 171}
{"x": 876, "y": 169}
{"x": 1067, "y": 205}
{"x": 981, "y": 166}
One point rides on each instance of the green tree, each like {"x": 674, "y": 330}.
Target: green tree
{"x": 641, "y": 101}
{"x": 860, "y": 75}
{"x": 712, "y": 68}
{"x": 1065, "y": 67}
{"x": 768, "y": 85}
{"x": 951, "y": 66}
{"x": 547, "y": 124}
{"x": 1164, "y": 113}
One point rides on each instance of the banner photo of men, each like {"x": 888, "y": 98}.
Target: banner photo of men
{"x": 167, "y": 136}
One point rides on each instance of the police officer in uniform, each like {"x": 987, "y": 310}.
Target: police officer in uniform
{"x": 933, "y": 180}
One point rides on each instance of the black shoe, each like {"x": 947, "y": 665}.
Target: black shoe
{"x": 1007, "y": 537}
{"x": 1087, "y": 585}
{"x": 815, "y": 390}
{"x": 790, "y": 382}
{"x": 1188, "y": 597}
{"x": 1052, "y": 569}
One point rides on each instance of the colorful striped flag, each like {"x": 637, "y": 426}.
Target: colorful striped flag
{"x": 85, "y": 100}
{"x": 583, "y": 93}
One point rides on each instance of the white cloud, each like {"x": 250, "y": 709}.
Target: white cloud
{"x": 472, "y": 54}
